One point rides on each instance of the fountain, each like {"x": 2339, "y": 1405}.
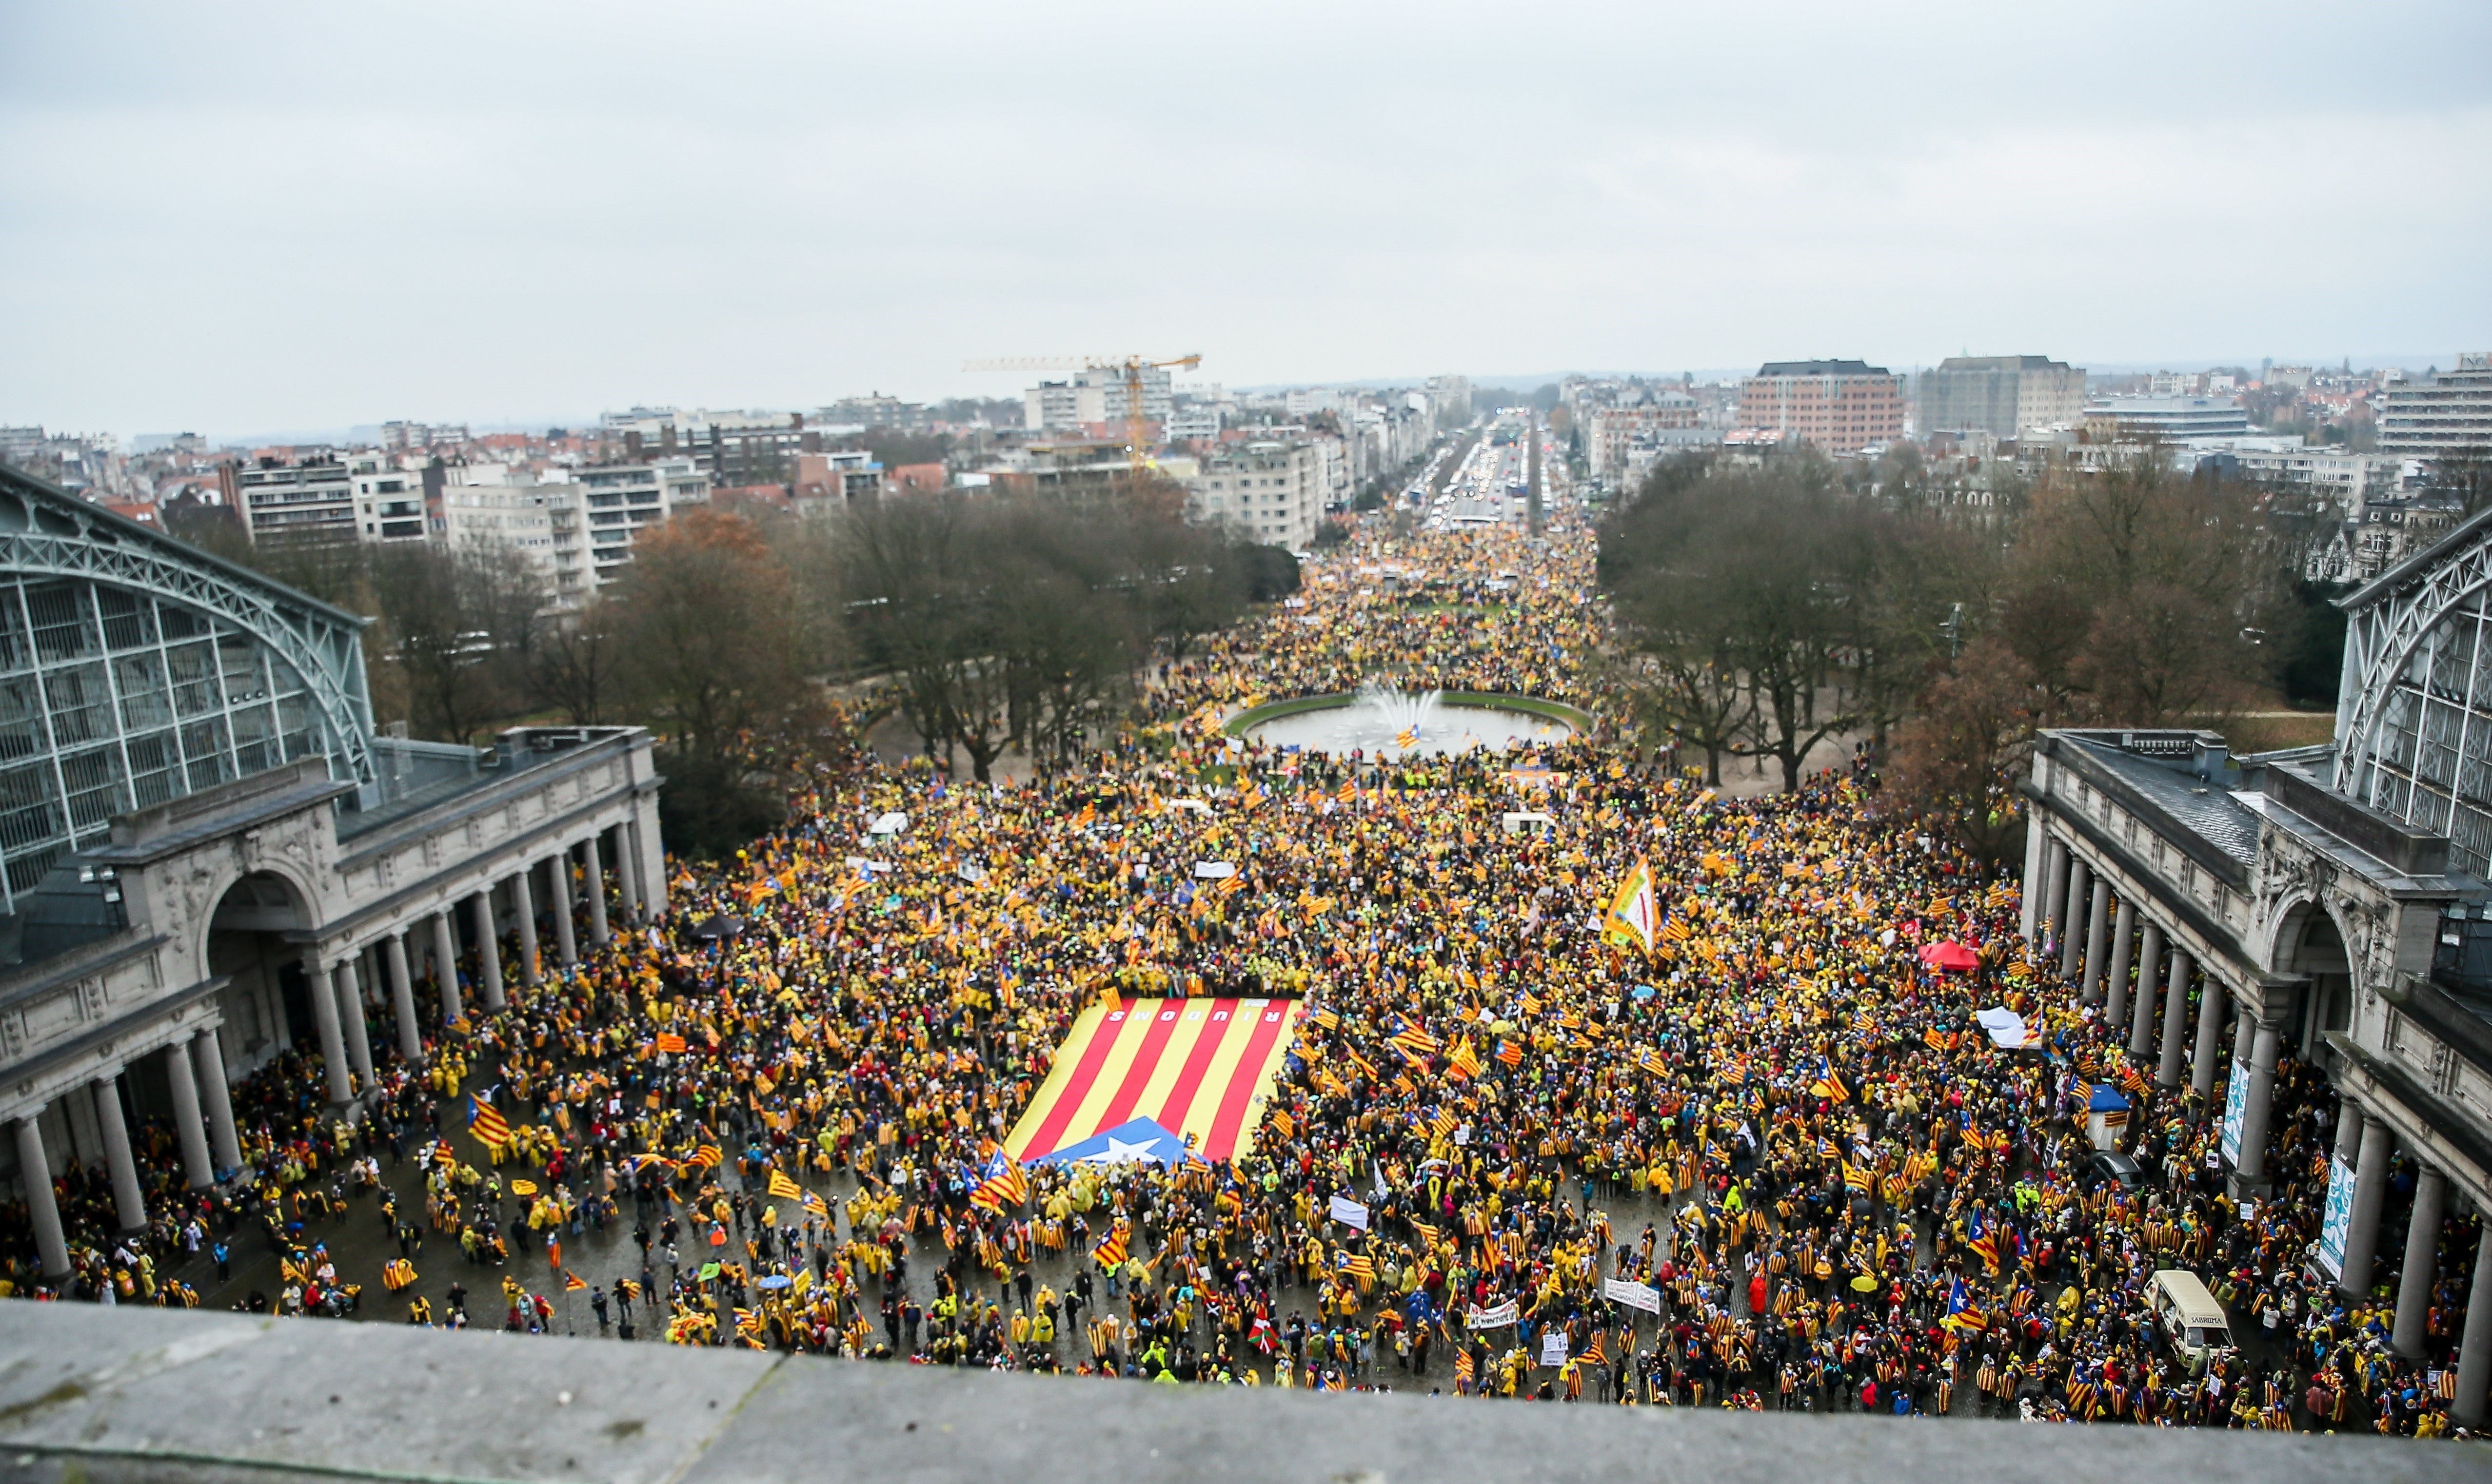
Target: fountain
{"x": 1399, "y": 712}
{"x": 1385, "y": 720}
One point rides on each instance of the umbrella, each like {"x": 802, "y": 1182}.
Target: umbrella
{"x": 1949, "y": 954}
{"x": 718, "y": 926}
{"x": 775, "y": 1280}
{"x": 1864, "y": 1284}
{"x": 1645, "y": 991}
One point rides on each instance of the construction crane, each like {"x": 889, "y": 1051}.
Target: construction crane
{"x": 1130, "y": 367}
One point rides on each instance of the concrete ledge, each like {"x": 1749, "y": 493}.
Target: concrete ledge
{"x": 98, "y": 1394}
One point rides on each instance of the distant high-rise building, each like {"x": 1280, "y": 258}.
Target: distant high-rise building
{"x": 1834, "y": 404}
{"x": 2444, "y": 412}
{"x": 2001, "y": 395}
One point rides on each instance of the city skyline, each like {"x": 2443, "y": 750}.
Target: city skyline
{"x": 293, "y": 217}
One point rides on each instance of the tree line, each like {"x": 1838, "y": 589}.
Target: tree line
{"x": 1766, "y": 607}
{"x": 1006, "y": 623}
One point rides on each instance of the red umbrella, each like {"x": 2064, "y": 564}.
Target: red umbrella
{"x": 1949, "y": 954}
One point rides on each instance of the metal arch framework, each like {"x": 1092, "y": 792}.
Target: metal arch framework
{"x": 2382, "y": 637}
{"x": 66, "y": 536}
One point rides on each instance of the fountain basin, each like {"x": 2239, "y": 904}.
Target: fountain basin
{"x": 1450, "y": 721}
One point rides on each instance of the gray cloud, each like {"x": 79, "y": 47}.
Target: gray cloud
{"x": 245, "y": 216}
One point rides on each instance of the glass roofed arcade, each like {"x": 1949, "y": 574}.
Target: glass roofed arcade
{"x": 135, "y": 669}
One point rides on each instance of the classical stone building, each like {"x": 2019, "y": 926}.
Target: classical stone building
{"x": 2329, "y": 905}
{"x": 211, "y": 857}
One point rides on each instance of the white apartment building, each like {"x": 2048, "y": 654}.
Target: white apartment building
{"x": 541, "y": 522}
{"x": 1095, "y": 395}
{"x": 1270, "y": 490}
{"x": 390, "y": 504}
{"x": 1194, "y": 420}
{"x": 2437, "y": 414}
{"x": 620, "y": 501}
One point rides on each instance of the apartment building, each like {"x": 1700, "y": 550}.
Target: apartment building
{"x": 2004, "y": 396}
{"x": 618, "y": 502}
{"x": 1833, "y": 404}
{"x": 1270, "y": 490}
{"x": 2439, "y": 413}
{"x": 542, "y": 522}
{"x": 309, "y": 500}
{"x": 1093, "y": 395}
{"x": 1609, "y": 431}
{"x": 728, "y": 448}
{"x": 394, "y": 503}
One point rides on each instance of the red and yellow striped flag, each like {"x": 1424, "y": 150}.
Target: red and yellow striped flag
{"x": 1202, "y": 1068}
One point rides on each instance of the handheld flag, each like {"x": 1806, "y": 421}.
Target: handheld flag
{"x": 784, "y": 1188}
{"x": 486, "y": 1122}
{"x": 1633, "y": 916}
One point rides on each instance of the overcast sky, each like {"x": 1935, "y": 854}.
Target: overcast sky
{"x": 243, "y": 218}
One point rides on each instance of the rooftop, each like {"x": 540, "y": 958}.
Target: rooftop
{"x": 1820, "y": 369}
{"x": 174, "y": 1396}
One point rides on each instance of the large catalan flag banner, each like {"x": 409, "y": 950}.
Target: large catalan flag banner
{"x": 1199, "y": 1069}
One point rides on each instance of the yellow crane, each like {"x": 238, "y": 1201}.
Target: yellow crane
{"x": 1130, "y": 367}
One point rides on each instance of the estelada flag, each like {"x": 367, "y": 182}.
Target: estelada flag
{"x": 573, "y": 1283}
{"x": 1463, "y": 1060}
{"x": 1111, "y": 1250}
{"x": 1202, "y": 1068}
{"x": 486, "y": 1123}
{"x": 670, "y": 1043}
{"x": 1595, "y": 1353}
{"x": 784, "y": 1188}
{"x": 1634, "y": 917}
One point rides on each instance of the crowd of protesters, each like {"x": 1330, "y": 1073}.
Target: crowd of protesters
{"x": 1769, "y": 1161}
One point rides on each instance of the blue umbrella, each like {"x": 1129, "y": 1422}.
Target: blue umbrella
{"x": 775, "y": 1280}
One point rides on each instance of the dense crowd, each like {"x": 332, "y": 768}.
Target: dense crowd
{"x": 1772, "y": 1163}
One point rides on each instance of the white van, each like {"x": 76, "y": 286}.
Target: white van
{"x": 2192, "y": 1323}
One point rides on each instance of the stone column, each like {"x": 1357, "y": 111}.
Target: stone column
{"x": 324, "y": 1009}
{"x": 2149, "y": 974}
{"x": 2474, "y": 1351}
{"x": 2176, "y": 1020}
{"x": 566, "y": 933}
{"x": 523, "y": 907}
{"x": 445, "y": 966}
{"x": 2423, "y": 1264}
{"x": 2098, "y": 934}
{"x": 34, "y": 1173}
{"x": 209, "y": 1053}
{"x": 196, "y": 1163}
{"x": 359, "y": 1037}
{"x": 596, "y": 885}
{"x": 489, "y": 953}
{"x": 635, "y": 869}
{"x": 652, "y": 853}
{"x": 2073, "y": 941}
{"x": 2349, "y": 1130}
{"x": 410, "y": 1038}
{"x": 2055, "y": 891}
{"x": 2363, "y": 1229}
{"x": 2255, "y": 1107}
{"x": 127, "y": 1202}
{"x": 2211, "y": 1026}
{"x": 2123, "y": 938}
{"x": 2029, "y": 901}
